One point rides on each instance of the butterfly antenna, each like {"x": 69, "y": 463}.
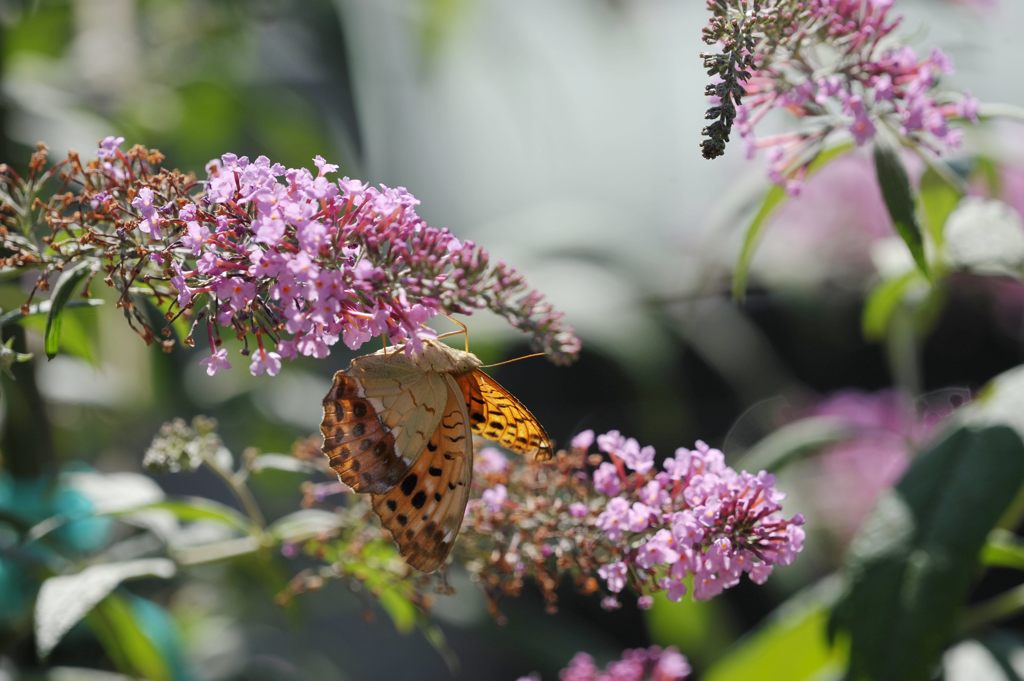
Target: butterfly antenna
{"x": 514, "y": 359}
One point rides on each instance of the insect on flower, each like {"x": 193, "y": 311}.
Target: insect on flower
{"x": 399, "y": 427}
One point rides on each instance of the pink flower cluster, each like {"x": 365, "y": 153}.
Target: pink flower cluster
{"x": 886, "y": 428}
{"x": 620, "y": 520}
{"x": 299, "y": 262}
{"x": 638, "y": 664}
{"x": 831, "y": 63}
{"x": 694, "y": 518}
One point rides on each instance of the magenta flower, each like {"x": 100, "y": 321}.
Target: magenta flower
{"x": 490, "y": 460}
{"x": 657, "y": 550}
{"x": 215, "y": 362}
{"x": 185, "y": 293}
{"x": 614, "y": 575}
{"x": 633, "y": 524}
{"x": 494, "y": 498}
{"x": 581, "y": 668}
{"x": 832, "y": 65}
{"x": 639, "y": 664}
{"x": 635, "y": 457}
{"x": 606, "y": 479}
{"x": 264, "y": 362}
{"x": 845, "y": 480}
{"x": 109, "y": 147}
{"x": 614, "y": 520}
{"x": 712, "y": 523}
{"x": 150, "y": 222}
{"x": 583, "y": 440}
{"x": 288, "y": 260}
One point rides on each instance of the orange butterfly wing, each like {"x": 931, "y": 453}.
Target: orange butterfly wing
{"x": 361, "y": 450}
{"x": 400, "y": 427}
{"x": 494, "y": 413}
{"x": 424, "y": 510}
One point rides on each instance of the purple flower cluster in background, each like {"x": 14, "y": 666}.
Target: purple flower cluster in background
{"x": 886, "y": 428}
{"x": 832, "y": 64}
{"x": 296, "y": 261}
{"x": 637, "y": 664}
{"x": 695, "y": 518}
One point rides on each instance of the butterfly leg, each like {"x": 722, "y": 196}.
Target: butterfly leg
{"x": 463, "y": 329}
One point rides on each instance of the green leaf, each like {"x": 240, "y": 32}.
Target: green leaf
{"x": 44, "y": 308}
{"x": 219, "y": 551}
{"x": 999, "y": 402}
{"x": 991, "y": 174}
{"x": 65, "y": 599}
{"x": 704, "y": 629}
{"x": 1004, "y": 549}
{"x": 790, "y": 645}
{"x": 399, "y": 608}
{"x": 910, "y": 567}
{"x": 304, "y": 524}
{"x": 77, "y": 332}
{"x": 281, "y": 462}
{"x": 793, "y": 442}
{"x": 939, "y": 198}
{"x": 437, "y": 20}
{"x": 899, "y": 200}
{"x": 84, "y": 674}
{"x": 996, "y": 110}
{"x": 124, "y": 640}
{"x": 437, "y": 640}
{"x": 191, "y": 509}
{"x": 883, "y": 302}
{"x": 63, "y": 289}
{"x": 772, "y": 200}
{"x": 395, "y": 594}
{"x": 114, "y": 492}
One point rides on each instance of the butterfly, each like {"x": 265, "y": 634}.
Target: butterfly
{"x": 399, "y": 427}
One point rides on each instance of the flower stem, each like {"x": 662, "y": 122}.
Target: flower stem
{"x": 241, "y": 492}
{"x": 1002, "y": 606}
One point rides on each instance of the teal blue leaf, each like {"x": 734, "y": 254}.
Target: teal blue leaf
{"x": 123, "y": 638}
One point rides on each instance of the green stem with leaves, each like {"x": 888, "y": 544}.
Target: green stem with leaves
{"x": 241, "y": 492}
